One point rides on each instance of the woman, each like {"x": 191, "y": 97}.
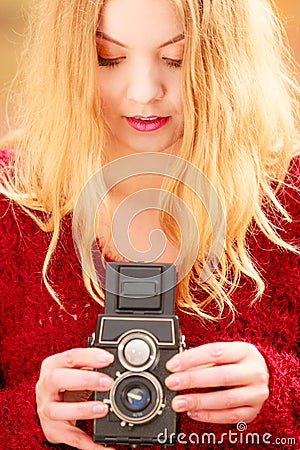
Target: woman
{"x": 205, "y": 82}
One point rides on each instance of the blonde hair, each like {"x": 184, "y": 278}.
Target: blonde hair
{"x": 241, "y": 107}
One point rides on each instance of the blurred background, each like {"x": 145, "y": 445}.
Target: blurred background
{"x": 13, "y": 19}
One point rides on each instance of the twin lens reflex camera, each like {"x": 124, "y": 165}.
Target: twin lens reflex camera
{"x": 139, "y": 327}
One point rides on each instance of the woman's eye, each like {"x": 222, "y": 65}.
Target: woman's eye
{"x": 174, "y": 63}
{"x": 112, "y": 62}
{"x": 108, "y": 62}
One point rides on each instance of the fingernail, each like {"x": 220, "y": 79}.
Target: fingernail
{"x": 99, "y": 409}
{"x": 173, "y": 364}
{"x": 194, "y": 414}
{"x": 172, "y": 382}
{"x": 105, "y": 383}
{"x": 106, "y": 358}
{"x": 180, "y": 404}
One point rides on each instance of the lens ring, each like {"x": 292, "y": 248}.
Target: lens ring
{"x": 149, "y": 350}
{"x": 128, "y": 381}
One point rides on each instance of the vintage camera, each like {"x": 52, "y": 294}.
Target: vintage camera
{"x": 139, "y": 327}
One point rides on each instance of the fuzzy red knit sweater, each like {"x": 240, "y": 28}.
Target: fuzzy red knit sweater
{"x": 33, "y": 327}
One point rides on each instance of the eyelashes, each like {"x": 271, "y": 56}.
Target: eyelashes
{"x": 113, "y": 62}
{"x": 105, "y": 62}
{"x": 175, "y": 63}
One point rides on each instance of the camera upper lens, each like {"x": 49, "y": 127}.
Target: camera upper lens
{"x": 137, "y": 352}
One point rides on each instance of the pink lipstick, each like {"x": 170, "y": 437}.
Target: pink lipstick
{"x": 146, "y": 124}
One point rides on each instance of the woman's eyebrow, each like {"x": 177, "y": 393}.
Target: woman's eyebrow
{"x": 106, "y": 37}
{"x": 178, "y": 38}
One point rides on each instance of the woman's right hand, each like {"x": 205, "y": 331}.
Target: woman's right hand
{"x": 71, "y": 373}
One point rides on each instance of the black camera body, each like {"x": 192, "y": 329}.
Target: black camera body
{"x": 139, "y": 327}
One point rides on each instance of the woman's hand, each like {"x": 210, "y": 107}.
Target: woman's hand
{"x": 236, "y": 366}
{"x": 62, "y": 390}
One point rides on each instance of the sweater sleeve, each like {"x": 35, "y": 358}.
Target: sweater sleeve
{"x": 279, "y": 413}
{"x": 18, "y": 420}
{"x": 19, "y": 423}
{"x": 17, "y": 414}
{"x": 278, "y": 319}
{"x": 17, "y": 408}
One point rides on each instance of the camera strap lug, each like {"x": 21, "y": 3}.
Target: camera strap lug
{"x": 182, "y": 345}
{"x": 91, "y": 340}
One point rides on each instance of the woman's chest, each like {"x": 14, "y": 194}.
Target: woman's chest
{"x": 126, "y": 236}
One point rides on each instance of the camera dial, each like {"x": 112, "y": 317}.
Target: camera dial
{"x": 137, "y": 350}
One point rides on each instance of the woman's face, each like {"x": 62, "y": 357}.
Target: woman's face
{"x": 140, "y": 47}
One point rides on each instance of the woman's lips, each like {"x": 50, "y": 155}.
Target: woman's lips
{"x": 146, "y": 124}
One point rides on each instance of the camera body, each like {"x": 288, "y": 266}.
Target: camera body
{"x": 139, "y": 327}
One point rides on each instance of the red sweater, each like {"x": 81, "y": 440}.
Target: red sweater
{"x": 33, "y": 327}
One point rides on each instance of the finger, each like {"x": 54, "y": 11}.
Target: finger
{"x": 79, "y": 358}
{"x": 75, "y": 411}
{"x": 213, "y": 353}
{"x": 235, "y": 415}
{"x": 227, "y": 375}
{"x": 72, "y": 436}
{"x": 228, "y": 399}
{"x": 61, "y": 380}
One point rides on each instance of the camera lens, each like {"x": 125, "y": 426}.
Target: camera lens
{"x": 137, "y": 398}
{"x": 137, "y": 352}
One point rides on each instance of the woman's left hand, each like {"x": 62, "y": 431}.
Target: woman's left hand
{"x": 236, "y": 366}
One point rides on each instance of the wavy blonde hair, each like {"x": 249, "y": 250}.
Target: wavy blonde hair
{"x": 241, "y": 106}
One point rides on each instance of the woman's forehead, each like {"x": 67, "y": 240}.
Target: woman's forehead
{"x": 149, "y": 22}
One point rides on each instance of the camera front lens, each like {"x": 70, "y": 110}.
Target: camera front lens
{"x": 137, "y": 398}
{"x": 137, "y": 352}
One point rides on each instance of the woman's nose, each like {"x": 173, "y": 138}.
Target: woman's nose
{"x": 145, "y": 86}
